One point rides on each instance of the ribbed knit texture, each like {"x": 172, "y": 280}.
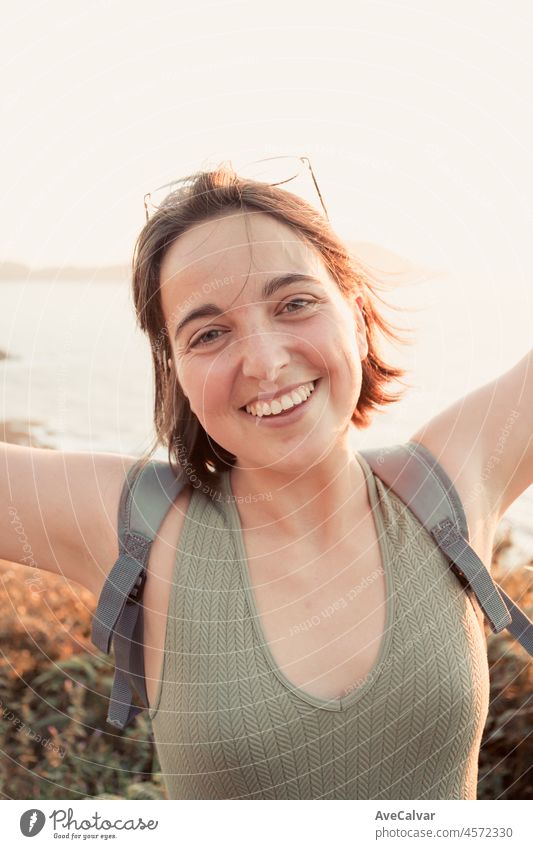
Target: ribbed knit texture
{"x": 229, "y": 725}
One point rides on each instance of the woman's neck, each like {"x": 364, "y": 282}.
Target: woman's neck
{"x": 325, "y": 499}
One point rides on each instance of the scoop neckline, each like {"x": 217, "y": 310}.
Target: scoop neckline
{"x": 333, "y": 703}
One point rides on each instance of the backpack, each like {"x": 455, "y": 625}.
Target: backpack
{"x": 150, "y": 488}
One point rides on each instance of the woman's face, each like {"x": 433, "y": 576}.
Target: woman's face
{"x": 234, "y": 340}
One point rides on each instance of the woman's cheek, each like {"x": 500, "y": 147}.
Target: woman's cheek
{"x": 209, "y": 400}
{"x": 207, "y": 386}
{"x": 341, "y": 357}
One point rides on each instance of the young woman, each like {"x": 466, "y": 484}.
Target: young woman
{"x": 303, "y": 635}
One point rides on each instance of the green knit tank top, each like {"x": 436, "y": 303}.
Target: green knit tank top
{"x": 227, "y": 722}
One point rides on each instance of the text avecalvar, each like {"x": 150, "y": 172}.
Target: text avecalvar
{"x": 405, "y": 815}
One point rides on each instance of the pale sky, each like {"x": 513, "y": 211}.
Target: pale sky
{"x": 417, "y": 117}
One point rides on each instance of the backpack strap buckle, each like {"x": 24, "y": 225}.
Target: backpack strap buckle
{"x": 136, "y": 591}
{"x": 446, "y": 533}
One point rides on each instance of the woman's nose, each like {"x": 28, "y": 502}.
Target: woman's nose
{"x": 263, "y": 355}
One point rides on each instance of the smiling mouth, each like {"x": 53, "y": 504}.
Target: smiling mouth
{"x": 284, "y": 412}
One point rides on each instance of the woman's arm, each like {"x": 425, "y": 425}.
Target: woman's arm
{"x": 508, "y": 436}
{"x": 58, "y": 510}
{"x": 485, "y": 443}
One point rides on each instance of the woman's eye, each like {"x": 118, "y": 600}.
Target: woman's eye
{"x": 205, "y": 339}
{"x": 201, "y": 340}
{"x": 304, "y": 301}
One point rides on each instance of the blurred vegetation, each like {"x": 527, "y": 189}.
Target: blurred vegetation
{"x": 55, "y": 683}
{"x": 506, "y": 754}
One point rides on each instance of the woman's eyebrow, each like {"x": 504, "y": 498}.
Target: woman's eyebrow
{"x": 269, "y": 289}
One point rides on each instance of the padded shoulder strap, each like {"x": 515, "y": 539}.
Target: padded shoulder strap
{"x": 148, "y": 493}
{"x": 151, "y": 495}
{"x": 413, "y": 473}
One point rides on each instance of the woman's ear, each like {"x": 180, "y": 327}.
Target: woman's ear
{"x": 360, "y": 324}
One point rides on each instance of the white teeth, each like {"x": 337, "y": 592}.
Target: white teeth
{"x": 292, "y": 399}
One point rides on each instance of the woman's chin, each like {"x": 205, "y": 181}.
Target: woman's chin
{"x": 292, "y": 460}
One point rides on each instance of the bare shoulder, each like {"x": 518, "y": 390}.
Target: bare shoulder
{"x": 94, "y": 482}
{"x": 163, "y": 550}
{"x": 156, "y": 595}
{"x": 99, "y": 517}
{"x": 106, "y": 548}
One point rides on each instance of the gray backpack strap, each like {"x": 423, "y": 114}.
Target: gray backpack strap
{"x": 415, "y": 476}
{"x": 149, "y": 490}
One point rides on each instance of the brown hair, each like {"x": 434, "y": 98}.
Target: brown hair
{"x": 202, "y": 196}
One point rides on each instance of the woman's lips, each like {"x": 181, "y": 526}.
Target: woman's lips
{"x": 287, "y": 415}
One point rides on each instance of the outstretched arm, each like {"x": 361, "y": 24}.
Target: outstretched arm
{"x": 485, "y": 442}
{"x": 58, "y": 510}
{"x": 508, "y": 437}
